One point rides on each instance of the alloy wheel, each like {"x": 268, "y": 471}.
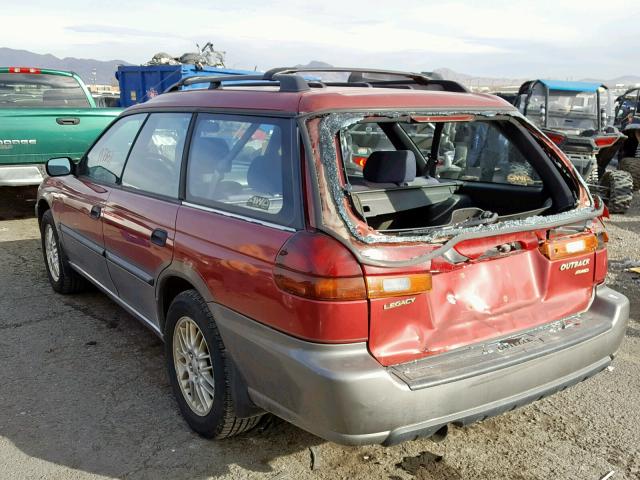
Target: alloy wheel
{"x": 193, "y": 366}
{"x": 51, "y": 252}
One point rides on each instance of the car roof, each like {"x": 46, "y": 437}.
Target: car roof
{"x": 322, "y": 99}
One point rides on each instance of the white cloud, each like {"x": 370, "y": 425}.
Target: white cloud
{"x": 418, "y": 34}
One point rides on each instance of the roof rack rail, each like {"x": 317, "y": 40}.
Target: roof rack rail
{"x": 289, "y": 81}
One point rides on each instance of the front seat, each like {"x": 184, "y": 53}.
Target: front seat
{"x": 208, "y": 163}
{"x": 265, "y": 174}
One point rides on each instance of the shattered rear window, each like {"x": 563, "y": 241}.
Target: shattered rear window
{"x": 433, "y": 207}
{"x": 471, "y": 151}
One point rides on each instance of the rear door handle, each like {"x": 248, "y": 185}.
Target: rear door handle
{"x": 159, "y": 237}
{"x": 95, "y": 212}
{"x": 67, "y": 121}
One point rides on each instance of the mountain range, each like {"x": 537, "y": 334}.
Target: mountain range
{"x": 103, "y": 72}
{"x": 85, "y": 67}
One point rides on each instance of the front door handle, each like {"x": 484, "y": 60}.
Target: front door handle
{"x": 68, "y": 121}
{"x": 95, "y": 212}
{"x": 159, "y": 237}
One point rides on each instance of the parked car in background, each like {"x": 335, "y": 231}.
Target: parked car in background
{"x": 578, "y": 117}
{"x": 43, "y": 114}
{"x": 304, "y": 249}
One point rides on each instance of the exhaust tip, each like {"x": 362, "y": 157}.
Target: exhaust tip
{"x": 441, "y": 434}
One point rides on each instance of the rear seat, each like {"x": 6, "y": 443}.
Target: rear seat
{"x": 390, "y": 169}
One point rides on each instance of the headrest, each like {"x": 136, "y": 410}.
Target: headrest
{"x": 210, "y": 153}
{"x": 265, "y": 174}
{"x": 398, "y": 166}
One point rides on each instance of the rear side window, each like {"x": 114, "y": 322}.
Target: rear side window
{"x": 106, "y": 158}
{"x": 29, "y": 90}
{"x": 154, "y": 163}
{"x": 481, "y": 152}
{"x": 243, "y": 165}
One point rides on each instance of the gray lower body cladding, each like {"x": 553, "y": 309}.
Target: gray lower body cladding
{"x": 341, "y": 393}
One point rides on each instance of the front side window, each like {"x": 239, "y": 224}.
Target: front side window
{"x": 242, "y": 164}
{"x": 155, "y": 160}
{"x": 105, "y": 160}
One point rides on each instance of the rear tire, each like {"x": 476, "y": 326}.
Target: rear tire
{"x": 62, "y": 277}
{"x": 619, "y": 185}
{"x": 632, "y": 165}
{"x": 199, "y": 369}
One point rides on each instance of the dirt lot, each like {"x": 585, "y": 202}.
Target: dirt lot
{"x": 83, "y": 395}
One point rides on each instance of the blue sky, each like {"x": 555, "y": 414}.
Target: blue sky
{"x": 562, "y": 38}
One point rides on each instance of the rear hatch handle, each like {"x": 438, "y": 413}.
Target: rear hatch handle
{"x": 67, "y": 120}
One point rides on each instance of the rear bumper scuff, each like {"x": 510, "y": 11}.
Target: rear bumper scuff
{"x": 341, "y": 393}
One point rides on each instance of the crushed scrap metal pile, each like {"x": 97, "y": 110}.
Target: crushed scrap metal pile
{"x": 205, "y": 56}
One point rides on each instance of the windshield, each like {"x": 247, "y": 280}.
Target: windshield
{"x": 22, "y": 90}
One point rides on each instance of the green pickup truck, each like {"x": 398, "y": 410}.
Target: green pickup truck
{"x": 44, "y": 114}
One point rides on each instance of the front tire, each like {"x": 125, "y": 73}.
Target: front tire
{"x": 199, "y": 369}
{"x": 62, "y": 277}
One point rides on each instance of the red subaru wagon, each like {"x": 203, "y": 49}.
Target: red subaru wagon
{"x": 370, "y": 257}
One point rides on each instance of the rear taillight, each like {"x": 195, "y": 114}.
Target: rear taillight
{"x": 398, "y": 285}
{"x": 315, "y": 266}
{"x": 564, "y": 247}
{"x": 556, "y": 138}
{"x": 23, "y": 70}
{"x": 605, "y": 141}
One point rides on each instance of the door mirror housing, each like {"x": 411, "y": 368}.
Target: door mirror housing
{"x": 59, "y": 167}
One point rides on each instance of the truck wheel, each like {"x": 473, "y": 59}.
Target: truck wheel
{"x": 199, "y": 369}
{"x": 62, "y": 277}
{"x": 619, "y": 185}
{"x": 632, "y": 165}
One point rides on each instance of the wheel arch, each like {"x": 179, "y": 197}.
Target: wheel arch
{"x": 178, "y": 278}
{"x": 42, "y": 205}
{"x": 175, "y": 279}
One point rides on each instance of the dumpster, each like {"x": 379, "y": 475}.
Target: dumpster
{"x": 139, "y": 83}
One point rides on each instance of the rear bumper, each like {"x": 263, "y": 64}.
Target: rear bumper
{"x": 341, "y": 393}
{"x": 21, "y": 175}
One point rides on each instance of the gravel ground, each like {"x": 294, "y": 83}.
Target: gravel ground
{"x": 83, "y": 395}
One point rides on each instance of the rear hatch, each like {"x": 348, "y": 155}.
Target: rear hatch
{"x": 501, "y": 285}
{"x": 493, "y": 234}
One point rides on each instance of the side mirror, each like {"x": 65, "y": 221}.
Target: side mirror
{"x": 59, "y": 167}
